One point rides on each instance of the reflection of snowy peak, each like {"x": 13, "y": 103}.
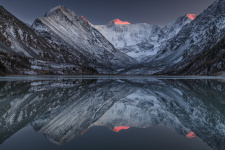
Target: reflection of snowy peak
{"x": 140, "y": 40}
{"x": 80, "y": 114}
{"x": 182, "y": 106}
{"x": 141, "y": 111}
{"x": 63, "y": 110}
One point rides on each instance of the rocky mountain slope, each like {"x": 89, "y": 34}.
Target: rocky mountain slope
{"x": 17, "y": 37}
{"x": 192, "y": 42}
{"x": 20, "y": 44}
{"x": 79, "y": 49}
{"x": 62, "y": 42}
{"x": 212, "y": 61}
{"x": 62, "y": 25}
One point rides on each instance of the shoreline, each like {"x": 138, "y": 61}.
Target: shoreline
{"x": 69, "y": 77}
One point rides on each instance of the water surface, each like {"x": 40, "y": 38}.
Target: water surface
{"x": 112, "y": 112}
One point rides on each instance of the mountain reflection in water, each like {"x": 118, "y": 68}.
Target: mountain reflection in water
{"x": 64, "y": 109}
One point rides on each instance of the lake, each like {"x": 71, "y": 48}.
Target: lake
{"x": 112, "y": 112}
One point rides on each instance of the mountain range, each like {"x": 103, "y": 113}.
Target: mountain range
{"x": 62, "y": 42}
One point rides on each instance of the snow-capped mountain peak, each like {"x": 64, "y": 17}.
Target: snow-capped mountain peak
{"x": 75, "y": 31}
{"x": 140, "y": 40}
{"x": 57, "y": 8}
{"x": 62, "y": 11}
{"x": 195, "y": 41}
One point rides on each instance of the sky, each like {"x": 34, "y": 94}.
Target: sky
{"x": 160, "y": 12}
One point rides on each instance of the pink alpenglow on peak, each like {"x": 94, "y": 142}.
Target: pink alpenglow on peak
{"x": 85, "y": 19}
{"x": 118, "y": 21}
{"x": 118, "y": 129}
{"x": 191, "y": 135}
{"x": 192, "y": 16}
{"x": 82, "y": 133}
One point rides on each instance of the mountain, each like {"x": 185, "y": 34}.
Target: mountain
{"x": 140, "y": 40}
{"x": 17, "y": 37}
{"x": 24, "y": 51}
{"x": 61, "y": 25}
{"x": 193, "y": 42}
{"x": 62, "y": 42}
{"x": 59, "y": 43}
{"x": 202, "y": 41}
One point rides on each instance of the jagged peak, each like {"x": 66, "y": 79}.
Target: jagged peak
{"x": 60, "y": 8}
{"x": 192, "y": 16}
{"x": 179, "y": 21}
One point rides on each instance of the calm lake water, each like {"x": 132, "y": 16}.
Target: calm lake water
{"x": 112, "y": 113}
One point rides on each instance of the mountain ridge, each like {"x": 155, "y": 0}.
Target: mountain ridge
{"x": 65, "y": 25}
{"x": 62, "y": 38}
{"x": 49, "y": 54}
{"x": 193, "y": 39}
